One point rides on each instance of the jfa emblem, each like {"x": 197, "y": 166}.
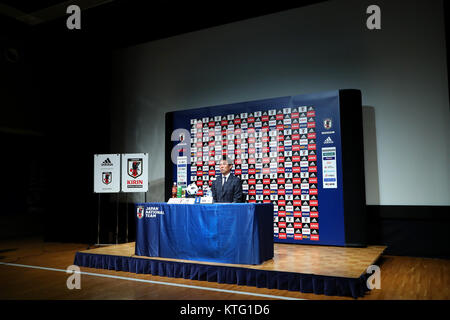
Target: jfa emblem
{"x": 107, "y": 177}
{"x": 327, "y": 123}
{"x": 140, "y": 212}
{"x": 134, "y": 167}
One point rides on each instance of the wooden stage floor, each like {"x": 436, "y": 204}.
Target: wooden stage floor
{"x": 306, "y": 259}
{"x": 31, "y": 269}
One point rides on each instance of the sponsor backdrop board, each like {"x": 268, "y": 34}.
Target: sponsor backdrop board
{"x": 135, "y": 172}
{"x": 287, "y": 151}
{"x": 106, "y": 173}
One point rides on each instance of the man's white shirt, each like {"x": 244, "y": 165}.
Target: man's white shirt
{"x": 226, "y": 178}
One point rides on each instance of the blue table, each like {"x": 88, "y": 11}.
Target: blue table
{"x": 237, "y": 233}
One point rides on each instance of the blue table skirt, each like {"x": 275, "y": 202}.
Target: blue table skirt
{"x": 237, "y": 233}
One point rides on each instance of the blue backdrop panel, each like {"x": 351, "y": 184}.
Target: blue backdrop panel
{"x": 227, "y": 233}
{"x": 288, "y": 152}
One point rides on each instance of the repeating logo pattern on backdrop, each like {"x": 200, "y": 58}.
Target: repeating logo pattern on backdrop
{"x": 274, "y": 155}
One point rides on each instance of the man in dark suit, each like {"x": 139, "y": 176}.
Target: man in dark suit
{"x": 227, "y": 187}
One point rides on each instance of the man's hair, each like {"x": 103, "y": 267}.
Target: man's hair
{"x": 228, "y": 160}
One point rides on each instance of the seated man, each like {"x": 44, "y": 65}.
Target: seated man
{"x": 227, "y": 187}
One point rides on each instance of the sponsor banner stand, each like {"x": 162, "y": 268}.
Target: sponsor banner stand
{"x": 115, "y": 173}
{"x": 134, "y": 178}
{"x": 106, "y": 180}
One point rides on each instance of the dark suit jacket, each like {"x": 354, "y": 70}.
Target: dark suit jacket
{"x": 231, "y": 191}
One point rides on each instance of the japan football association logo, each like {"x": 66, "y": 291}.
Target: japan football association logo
{"x": 106, "y": 177}
{"x": 134, "y": 167}
{"x": 140, "y": 212}
{"x": 327, "y": 123}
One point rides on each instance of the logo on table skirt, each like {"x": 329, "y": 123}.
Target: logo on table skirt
{"x": 134, "y": 167}
{"x": 106, "y": 177}
{"x": 140, "y": 212}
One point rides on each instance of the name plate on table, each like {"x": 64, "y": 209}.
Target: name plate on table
{"x": 197, "y": 200}
{"x": 206, "y": 200}
{"x": 181, "y": 201}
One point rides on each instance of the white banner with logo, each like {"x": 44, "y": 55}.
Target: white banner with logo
{"x": 135, "y": 172}
{"x": 106, "y": 173}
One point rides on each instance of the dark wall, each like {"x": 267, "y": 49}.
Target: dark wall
{"x": 421, "y": 231}
{"x": 62, "y": 87}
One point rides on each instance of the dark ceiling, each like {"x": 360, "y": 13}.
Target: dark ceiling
{"x": 31, "y": 6}
{"x": 119, "y": 23}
